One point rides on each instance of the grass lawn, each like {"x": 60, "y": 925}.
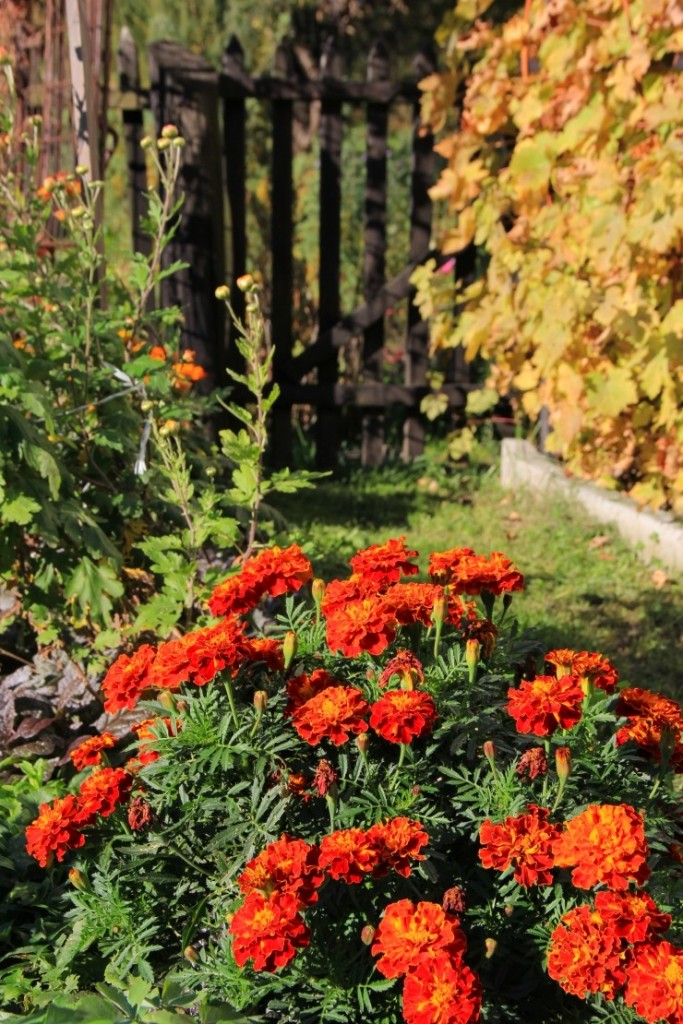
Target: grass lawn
{"x": 585, "y": 588}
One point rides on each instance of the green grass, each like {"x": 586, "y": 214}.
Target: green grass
{"x": 585, "y": 588}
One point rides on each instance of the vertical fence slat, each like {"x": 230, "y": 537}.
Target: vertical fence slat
{"x": 329, "y": 417}
{"x": 184, "y": 92}
{"x": 465, "y": 266}
{"x": 372, "y": 441}
{"x": 417, "y": 340}
{"x": 234, "y": 148}
{"x": 282, "y": 277}
{"x": 129, "y": 82}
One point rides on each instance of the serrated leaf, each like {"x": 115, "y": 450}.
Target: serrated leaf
{"x": 612, "y": 392}
{"x": 20, "y": 510}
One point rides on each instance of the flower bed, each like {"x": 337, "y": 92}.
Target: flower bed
{"x": 393, "y": 805}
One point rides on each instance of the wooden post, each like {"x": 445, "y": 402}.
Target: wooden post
{"x": 372, "y": 442}
{"x": 417, "y": 341}
{"x": 235, "y": 153}
{"x": 83, "y": 89}
{"x": 184, "y": 92}
{"x": 129, "y": 84}
{"x": 329, "y": 417}
{"x": 282, "y": 194}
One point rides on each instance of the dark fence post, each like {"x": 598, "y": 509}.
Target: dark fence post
{"x": 282, "y": 278}
{"x": 328, "y": 422}
{"x": 417, "y": 341}
{"x": 234, "y": 148}
{"x": 129, "y": 85}
{"x": 184, "y": 92}
{"x": 372, "y": 442}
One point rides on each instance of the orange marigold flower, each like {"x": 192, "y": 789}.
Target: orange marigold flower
{"x": 55, "y": 830}
{"x": 127, "y": 679}
{"x": 265, "y": 649}
{"x": 482, "y": 630}
{"x": 524, "y": 842}
{"x": 144, "y": 731}
{"x": 604, "y": 844}
{"x": 288, "y": 866}
{"x": 212, "y": 649}
{"x": 585, "y": 955}
{"x": 187, "y": 373}
{"x": 348, "y": 855}
{"x": 102, "y": 792}
{"x": 273, "y": 571}
{"x": 339, "y": 593}
{"x": 414, "y": 602}
{"x": 633, "y": 916}
{"x": 398, "y": 841}
{"x": 403, "y": 715}
{"x": 302, "y": 687}
{"x": 333, "y": 714}
{"x": 268, "y": 930}
{"x": 89, "y": 752}
{"x": 410, "y": 933}
{"x": 171, "y": 665}
{"x": 158, "y": 352}
{"x": 442, "y": 990}
{"x": 546, "y": 703}
{"x": 383, "y": 564}
{"x": 652, "y": 719}
{"x": 365, "y": 625}
{"x": 405, "y": 665}
{"x": 532, "y": 763}
{"x": 467, "y": 573}
{"x": 654, "y": 986}
{"x": 591, "y": 668}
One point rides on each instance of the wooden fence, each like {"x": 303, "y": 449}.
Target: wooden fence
{"x": 209, "y": 108}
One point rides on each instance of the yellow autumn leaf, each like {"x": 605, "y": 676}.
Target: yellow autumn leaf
{"x": 655, "y": 374}
{"x": 611, "y": 392}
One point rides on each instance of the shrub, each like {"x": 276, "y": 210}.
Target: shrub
{"x": 564, "y": 169}
{"x": 387, "y": 806}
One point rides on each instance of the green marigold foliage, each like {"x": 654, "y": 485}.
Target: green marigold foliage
{"x": 566, "y": 169}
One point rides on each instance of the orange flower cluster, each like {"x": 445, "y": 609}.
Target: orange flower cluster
{"x": 334, "y": 713}
{"x": 302, "y": 687}
{"x": 655, "y": 724}
{"x": 89, "y": 752}
{"x": 367, "y": 624}
{"x": 423, "y": 944}
{"x": 655, "y": 982}
{"x": 593, "y": 948}
{"x": 57, "y": 828}
{"x": 605, "y": 844}
{"x": 187, "y": 372}
{"x": 591, "y": 668}
{"x": 467, "y": 573}
{"x": 350, "y": 854}
{"x": 546, "y": 703}
{"x": 401, "y": 716}
{"x": 410, "y": 603}
{"x": 273, "y": 571}
{"x": 524, "y": 842}
{"x": 383, "y": 564}
{"x": 60, "y": 181}
{"x": 285, "y": 866}
{"x": 268, "y": 930}
{"x": 147, "y": 738}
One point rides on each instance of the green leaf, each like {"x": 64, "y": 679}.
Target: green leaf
{"x": 20, "y": 510}
{"x": 91, "y": 587}
{"x": 245, "y": 485}
{"x": 531, "y": 164}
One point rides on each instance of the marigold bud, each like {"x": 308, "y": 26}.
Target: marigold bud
{"x": 78, "y": 880}
{"x": 489, "y": 749}
{"x": 508, "y": 910}
{"x": 439, "y": 609}
{"x": 169, "y": 131}
{"x": 490, "y": 945}
{"x": 168, "y": 700}
{"x": 472, "y": 657}
{"x": 260, "y": 701}
{"x": 563, "y": 762}
{"x": 289, "y": 647}
{"x": 147, "y": 142}
{"x": 367, "y": 935}
{"x": 81, "y": 169}
{"x": 245, "y": 283}
{"x": 222, "y": 293}
{"x": 191, "y": 954}
{"x": 363, "y": 742}
{"x": 163, "y": 144}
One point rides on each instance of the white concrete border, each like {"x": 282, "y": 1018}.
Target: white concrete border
{"x": 658, "y": 535}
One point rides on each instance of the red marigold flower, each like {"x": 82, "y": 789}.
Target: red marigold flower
{"x": 383, "y": 564}
{"x": 413, "y": 602}
{"x": 398, "y": 841}
{"x": 482, "y": 630}
{"x": 333, "y": 714}
{"x": 454, "y": 901}
{"x": 365, "y": 625}
{"x": 585, "y": 955}
{"x": 401, "y": 716}
{"x": 410, "y": 933}
{"x": 591, "y": 668}
{"x": 652, "y": 719}
{"x": 532, "y": 763}
{"x": 147, "y": 737}
{"x": 268, "y": 930}
{"x": 55, "y": 830}
{"x": 212, "y": 649}
{"x": 339, "y": 593}
{"x": 288, "y": 866}
{"x": 467, "y": 573}
{"x": 258, "y": 648}
{"x": 633, "y": 916}
{"x": 441, "y": 990}
{"x": 89, "y": 752}
{"x": 348, "y": 855}
{"x": 302, "y": 687}
{"x": 654, "y": 986}
{"x": 604, "y": 844}
{"x": 543, "y": 704}
{"x": 171, "y": 665}
{"x": 405, "y": 665}
{"x": 274, "y": 571}
{"x": 127, "y": 679}
{"x": 102, "y": 792}
{"x": 524, "y": 842}
{"x": 140, "y": 816}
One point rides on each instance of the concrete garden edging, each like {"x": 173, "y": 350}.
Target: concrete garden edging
{"x": 657, "y": 534}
